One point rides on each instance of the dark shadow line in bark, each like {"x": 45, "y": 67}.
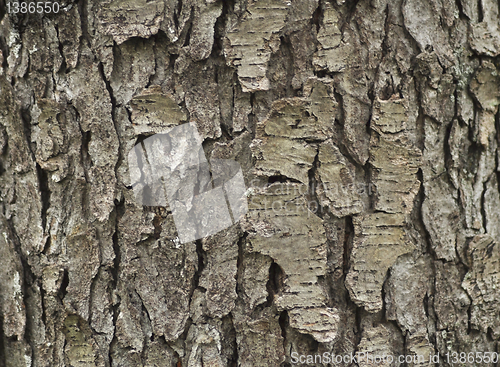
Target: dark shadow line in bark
{"x": 349, "y": 14}
{"x": 82, "y": 11}
{"x": 176, "y": 14}
{"x": 219, "y": 30}
{"x": 202, "y": 260}
{"x": 43, "y": 183}
{"x": 239, "y": 263}
{"x": 64, "y": 66}
{"x": 275, "y": 283}
{"x": 252, "y": 119}
{"x": 480, "y": 11}
{"x": 115, "y": 272}
{"x": 460, "y": 8}
{"x": 2, "y": 9}
{"x": 284, "y": 323}
{"x": 317, "y": 17}
{"x": 4, "y": 49}
{"x": 448, "y": 160}
{"x": 64, "y": 285}
{"x": 357, "y": 319}
{"x": 312, "y": 196}
{"x": 230, "y": 341}
{"x": 187, "y": 40}
{"x": 483, "y": 202}
{"x": 417, "y": 217}
{"x": 348, "y": 242}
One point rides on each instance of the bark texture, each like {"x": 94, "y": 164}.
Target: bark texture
{"x": 368, "y": 135}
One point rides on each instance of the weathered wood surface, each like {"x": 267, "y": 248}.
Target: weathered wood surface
{"x": 367, "y": 132}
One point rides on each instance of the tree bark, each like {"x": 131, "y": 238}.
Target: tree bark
{"x": 367, "y": 133}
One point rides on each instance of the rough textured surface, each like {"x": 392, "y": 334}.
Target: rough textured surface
{"x": 481, "y": 283}
{"x": 127, "y": 19}
{"x": 485, "y": 38}
{"x": 252, "y": 39}
{"x": 280, "y": 223}
{"x": 281, "y": 146}
{"x": 367, "y": 133}
{"x": 381, "y": 238}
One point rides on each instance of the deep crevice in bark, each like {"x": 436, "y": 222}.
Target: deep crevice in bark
{"x": 348, "y": 243}
{"x": 275, "y": 283}
{"x": 312, "y": 195}
{"x": 202, "y": 260}
{"x": 43, "y": 182}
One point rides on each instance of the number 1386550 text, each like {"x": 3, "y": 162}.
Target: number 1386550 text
{"x": 32, "y": 7}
